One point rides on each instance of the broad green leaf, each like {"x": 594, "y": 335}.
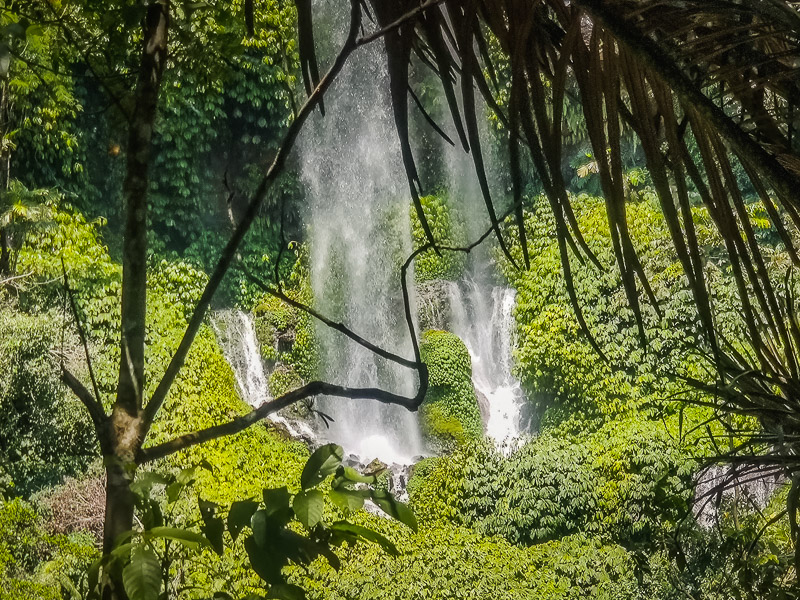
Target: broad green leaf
{"x": 308, "y": 506}
{"x": 145, "y": 482}
{"x": 213, "y": 530}
{"x": 239, "y": 516}
{"x": 277, "y": 504}
{"x": 207, "y": 509}
{"x": 352, "y": 475}
{"x": 190, "y": 539}
{"x": 394, "y": 508}
{"x": 286, "y": 591}
{"x": 347, "y": 500}
{"x": 142, "y": 575}
{"x": 325, "y": 460}
{"x": 263, "y": 528}
{"x": 367, "y": 534}
{"x": 265, "y": 562}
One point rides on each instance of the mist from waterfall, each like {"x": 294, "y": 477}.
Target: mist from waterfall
{"x": 359, "y": 233}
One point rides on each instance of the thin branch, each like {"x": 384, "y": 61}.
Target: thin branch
{"x": 81, "y": 333}
{"x": 8, "y": 280}
{"x": 313, "y": 388}
{"x": 409, "y": 16}
{"x": 340, "y": 327}
{"x": 316, "y": 388}
{"x": 95, "y": 409}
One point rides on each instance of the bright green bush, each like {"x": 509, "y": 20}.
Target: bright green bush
{"x": 33, "y": 563}
{"x": 451, "y": 562}
{"x": 450, "y": 410}
{"x": 556, "y": 364}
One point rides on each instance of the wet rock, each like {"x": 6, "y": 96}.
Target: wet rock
{"x": 483, "y": 407}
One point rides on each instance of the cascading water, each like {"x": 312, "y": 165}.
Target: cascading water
{"x": 359, "y": 233}
{"x": 237, "y": 337}
{"x": 481, "y": 315}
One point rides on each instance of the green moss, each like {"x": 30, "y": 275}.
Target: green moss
{"x": 283, "y": 379}
{"x": 450, "y": 412}
{"x": 447, "y": 229}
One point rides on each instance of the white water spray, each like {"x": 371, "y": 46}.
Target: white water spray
{"x": 237, "y": 338}
{"x": 482, "y": 316}
{"x": 359, "y": 233}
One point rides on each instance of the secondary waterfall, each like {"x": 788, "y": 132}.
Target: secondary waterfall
{"x": 237, "y": 338}
{"x": 359, "y": 233}
{"x": 236, "y": 335}
{"x": 481, "y": 314}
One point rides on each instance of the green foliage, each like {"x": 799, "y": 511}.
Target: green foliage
{"x": 450, "y": 410}
{"x": 266, "y": 529}
{"x": 559, "y": 370}
{"x": 628, "y": 482}
{"x": 34, "y": 563}
{"x": 286, "y": 334}
{"x": 44, "y": 432}
{"x": 446, "y": 562}
{"x": 448, "y": 229}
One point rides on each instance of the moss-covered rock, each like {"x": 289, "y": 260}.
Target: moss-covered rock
{"x": 450, "y": 412}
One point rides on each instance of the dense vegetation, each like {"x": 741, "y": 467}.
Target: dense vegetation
{"x": 600, "y": 498}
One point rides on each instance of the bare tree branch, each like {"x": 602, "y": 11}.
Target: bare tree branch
{"x": 313, "y": 388}
{"x": 340, "y": 327}
{"x": 95, "y": 409}
{"x": 316, "y": 388}
{"x": 81, "y": 333}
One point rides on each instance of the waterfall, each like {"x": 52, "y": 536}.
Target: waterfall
{"x": 482, "y": 316}
{"x": 237, "y": 338}
{"x": 359, "y": 233}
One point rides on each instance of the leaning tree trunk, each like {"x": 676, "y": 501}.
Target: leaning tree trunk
{"x": 125, "y": 431}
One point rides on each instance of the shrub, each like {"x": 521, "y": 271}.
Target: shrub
{"x": 448, "y": 229}
{"x": 450, "y": 411}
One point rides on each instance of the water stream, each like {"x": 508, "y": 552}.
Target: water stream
{"x": 359, "y": 233}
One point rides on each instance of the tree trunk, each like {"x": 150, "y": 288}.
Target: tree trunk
{"x": 5, "y": 253}
{"x": 5, "y": 177}
{"x": 125, "y": 430}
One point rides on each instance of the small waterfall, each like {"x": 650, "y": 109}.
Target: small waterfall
{"x": 751, "y": 489}
{"x": 237, "y": 338}
{"x": 482, "y": 316}
{"x": 359, "y": 232}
